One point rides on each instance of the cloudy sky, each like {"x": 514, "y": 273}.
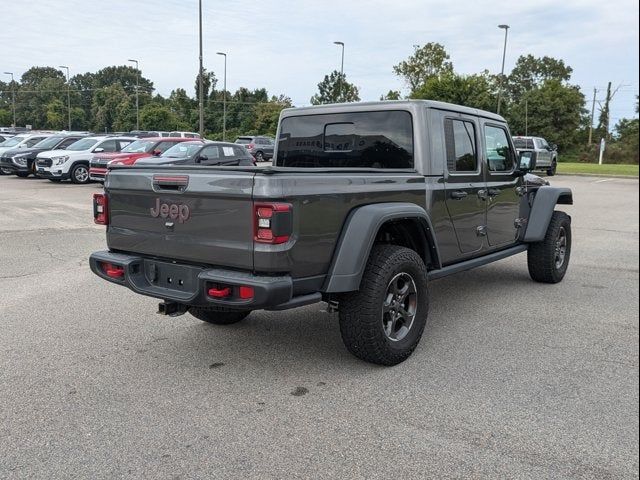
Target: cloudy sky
{"x": 286, "y": 46}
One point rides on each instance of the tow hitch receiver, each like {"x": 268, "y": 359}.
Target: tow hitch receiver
{"x": 173, "y": 309}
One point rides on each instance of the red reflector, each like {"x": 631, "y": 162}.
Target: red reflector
{"x": 219, "y": 292}
{"x": 100, "y": 209}
{"x": 113, "y": 271}
{"x": 264, "y": 234}
{"x": 246, "y": 292}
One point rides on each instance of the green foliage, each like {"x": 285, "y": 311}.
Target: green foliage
{"x": 56, "y": 114}
{"x": 430, "y": 60}
{"x": 531, "y": 72}
{"x": 6, "y": 116}
{"x": 391, "y": 95}
{"x": 334, "y": 88}
{"x": 154, "y": 116}
{"x": 477, "y": 91}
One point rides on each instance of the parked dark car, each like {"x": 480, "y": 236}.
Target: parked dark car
{"x": 260, "y": 147}
{"x": 21, "y": 162}
{"x": 196, "y": 152}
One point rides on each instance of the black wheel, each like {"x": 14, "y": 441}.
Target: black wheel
{"x": 554, "y": 168}
{"x": 259, "y": 157}
{"x": 80, "y": 173}
{"x": 23, "y": 174}
{"x": 383, "y": 321}
{"x": 218, "y": 315}
{"x": 548, "y": 260}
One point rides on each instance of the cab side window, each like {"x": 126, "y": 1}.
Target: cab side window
{"x": 108, "y": 146}
{"x": 500, "y": 156}
{"x": 460, "y": 140}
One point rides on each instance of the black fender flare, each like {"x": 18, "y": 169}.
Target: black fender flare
{"x": 357, "y": 237}
{"x": 544, "y": 203}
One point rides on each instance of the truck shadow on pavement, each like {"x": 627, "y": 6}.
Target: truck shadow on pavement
{"x": 308, "y": 339}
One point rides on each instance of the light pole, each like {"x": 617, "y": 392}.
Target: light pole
{"x": 13, "y": 97}
{"x": 504, "y": 53}
{"x": 137, "y": 99}
{"x": 68, "y": 95}
{"x": 341, "y": 44}
{"x": 200, "y": 73}
{"x": 224, "y": 98}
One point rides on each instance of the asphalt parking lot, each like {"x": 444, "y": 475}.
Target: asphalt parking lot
{"x": 512, "y": 379}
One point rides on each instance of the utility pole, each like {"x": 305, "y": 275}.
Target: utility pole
{"x": 13, "y": 97}
{"x": 526, "y": 117}
{"x": 224, "y": 98}
{"x": 200, "y": 74}
{"x": 504, "y": 54}
{"x": 137, "y": 96}
{"x": 68, "y": 95}
{"x": 593, "y": 112}
{"x": 341, "y": 44}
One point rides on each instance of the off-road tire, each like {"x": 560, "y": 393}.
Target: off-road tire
{"x": 361, "y": 312}
{"x": 75, "y": 174}
{"x": 542, "y": 257}
{"x": 554, "y": 168}
{"x": 260, "y": 157}
{"x": 218, "y": 315}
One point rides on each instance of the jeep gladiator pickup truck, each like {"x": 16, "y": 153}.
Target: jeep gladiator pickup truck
{"x": 364, "y": 205}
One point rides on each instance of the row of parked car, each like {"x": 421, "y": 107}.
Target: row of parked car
{"x": 82, "y": 157}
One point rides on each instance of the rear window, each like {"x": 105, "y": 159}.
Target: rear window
{"x": 347, "y": 140}
{"x": 523, "y": 142}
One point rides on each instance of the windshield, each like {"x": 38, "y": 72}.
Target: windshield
{"x": 84, "y": 144}
{"x": 48, "y": 143}
{"x": 12, "y": 142}
{"x": 139, "y": 146}
{"x": 182, "y": 149}
{"x": 523, "y": 142}
{"x": 243, "y": 140}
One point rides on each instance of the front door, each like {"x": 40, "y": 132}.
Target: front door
{"x": 465, "y": 183}
{"x": 503, "y": 200}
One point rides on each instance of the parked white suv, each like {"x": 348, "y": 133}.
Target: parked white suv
{"x": 73, "y": 163}
{"x": 23, "y": 140}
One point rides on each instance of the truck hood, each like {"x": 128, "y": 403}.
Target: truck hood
{"x": 163, "y": 161}
{"x": 121, "y": 157}
{"x": 531, "y": 180}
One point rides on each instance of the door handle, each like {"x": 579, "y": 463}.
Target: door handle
{"x": 458, "y": 195}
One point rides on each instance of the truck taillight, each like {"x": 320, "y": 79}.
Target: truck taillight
{"x": 100, "y": 209}
{"x": 250, "y": 146}
{"x": 272, "y": 223}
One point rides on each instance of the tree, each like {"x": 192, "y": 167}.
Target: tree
{"x": 531, "y": 72}
{"x": 477, "y": 91}
{"x": 267, "y": 114}
{"x": 391, "y": 95}
{"x": 430, "y": 60}
{"x": 335, "y": 89}
{"x": 112, "y": 109}
{"x": 154, "y": 116}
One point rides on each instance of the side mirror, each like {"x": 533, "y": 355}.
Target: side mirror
{"x": 156, "y": 153}
{"x": 98, "y": 150}
{"x": 525, "y": 162}
{"x": 202, "y": 158}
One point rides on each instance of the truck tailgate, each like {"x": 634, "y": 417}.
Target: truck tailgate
{"x": 202, "y": 216}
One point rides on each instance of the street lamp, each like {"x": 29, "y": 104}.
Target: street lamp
{"x": 137, "y": 99}
{"x": 504, "y": 53}
{"x": 13, "y": 97}
{"x": 200, "y": 74}
{"x": 224, "y": 98}
{"x": 341, "y": 44}
{"x": 68, "y": 95}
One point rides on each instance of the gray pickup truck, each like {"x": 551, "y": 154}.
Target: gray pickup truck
{"x": 364, "y": 205}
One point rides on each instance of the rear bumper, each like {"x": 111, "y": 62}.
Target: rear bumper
{"x": 98, "y": 174}
{"x": 188, "y": 284}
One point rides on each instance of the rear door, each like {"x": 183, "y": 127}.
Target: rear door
{"x": 465, "y": 182}
{"x": 503, "y": 200}
{"x": 203, "y": 216}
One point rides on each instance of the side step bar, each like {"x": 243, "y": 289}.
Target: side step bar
{"x": 476, "y": 262}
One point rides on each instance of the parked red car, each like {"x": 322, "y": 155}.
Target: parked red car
{"x": 145, "y": 147}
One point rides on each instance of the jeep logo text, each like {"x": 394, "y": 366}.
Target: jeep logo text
{"x": 174, "y": 211}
